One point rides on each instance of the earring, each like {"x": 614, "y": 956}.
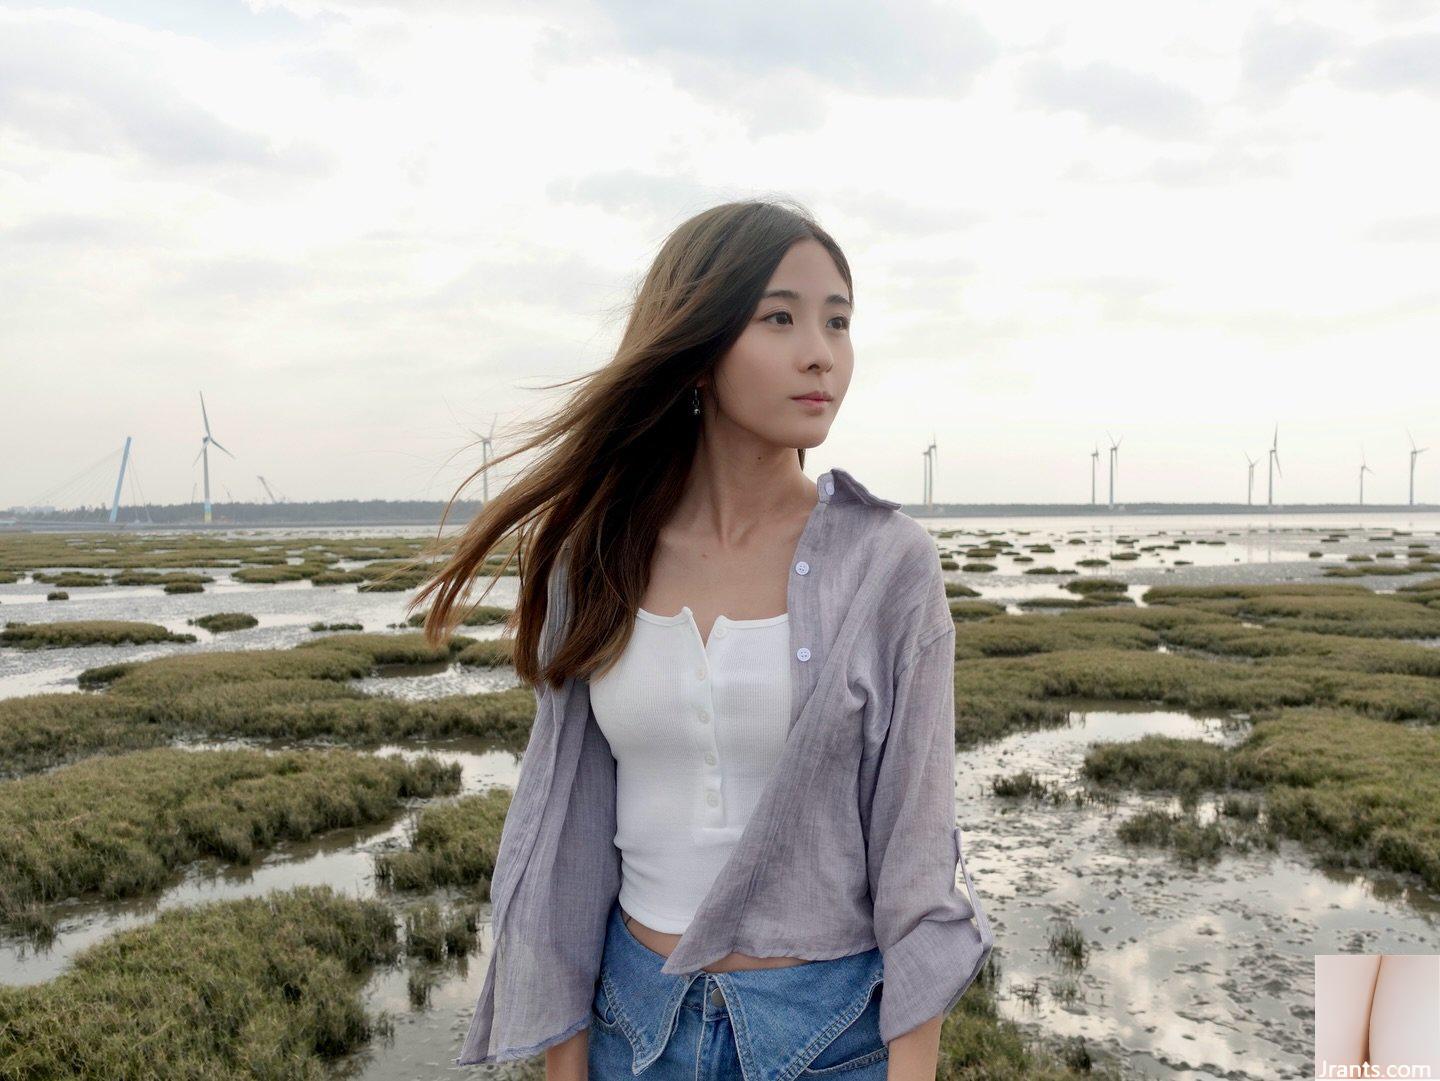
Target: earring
{"x": 695, "y": 401}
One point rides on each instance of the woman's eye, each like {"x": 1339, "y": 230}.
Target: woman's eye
{"x": 844, "y": 319}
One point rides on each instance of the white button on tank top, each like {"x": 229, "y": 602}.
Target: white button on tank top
{"x": 695, "y": 728}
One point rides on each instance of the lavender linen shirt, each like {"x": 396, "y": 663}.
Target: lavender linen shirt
{"x": 853, "y": 843}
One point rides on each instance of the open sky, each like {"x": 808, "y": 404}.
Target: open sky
{"x": 365, "y": 228}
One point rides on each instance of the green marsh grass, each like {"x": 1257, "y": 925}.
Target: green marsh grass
{"x": 256, "y": 989}
{"x": 488, "y": 653}
{"x": 121, "y": 826}
{"x": 978, "y": 1044}
{"x": 968, "y": 609}
{"x": 219, "y": 622}
{"x": 1357, "y": 791}
{"x": 960, "y": 589}
{"x": 72, "y": 579}
{"x": 450, "y": 844}
{"x": 435, "y": 933}
{"x": 68, "y": 634}
{"x": 1068, "y": 943}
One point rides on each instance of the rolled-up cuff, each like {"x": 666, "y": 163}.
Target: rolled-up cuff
{"x": 929, "y": 970}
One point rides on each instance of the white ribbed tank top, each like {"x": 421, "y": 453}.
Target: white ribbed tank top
{"x": 695, "y": 728}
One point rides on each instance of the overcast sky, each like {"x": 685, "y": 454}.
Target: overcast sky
{"x": 365, "y": 228}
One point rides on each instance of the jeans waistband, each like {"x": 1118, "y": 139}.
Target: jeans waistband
{"x": 782, "y": 1016}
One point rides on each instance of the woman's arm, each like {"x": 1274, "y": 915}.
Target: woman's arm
{"x": 569, "y": 1060}
{"x": 915, "y": 1055}
{"x": 1344, "y": 987}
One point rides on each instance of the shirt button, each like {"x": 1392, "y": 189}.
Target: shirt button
{"x": 802, "y": 567}
{"x": 709, "y": 759}
{"x": 829, "y": 487}
{"x": 712, "y": 799}
{"x": 803, "y": 653}
{"x": 699, "y": 673}
{"x": 704, "y": 716}
{"x": 719, "y": 632}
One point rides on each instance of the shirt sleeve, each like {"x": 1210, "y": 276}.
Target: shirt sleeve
{"x": 933, "y": 937}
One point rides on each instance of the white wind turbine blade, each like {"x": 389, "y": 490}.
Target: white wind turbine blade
{"x": 213, "y": 443}
{"x": 204, "y": 415}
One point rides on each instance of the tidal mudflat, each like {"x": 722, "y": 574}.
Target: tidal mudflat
{"x": 1171, "y": 797}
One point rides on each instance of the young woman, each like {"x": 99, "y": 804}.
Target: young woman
{"x": 731, "y": 851}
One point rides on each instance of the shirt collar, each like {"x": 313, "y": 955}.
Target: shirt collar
{"x": 838, "y": 486}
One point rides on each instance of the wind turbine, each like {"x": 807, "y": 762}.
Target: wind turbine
{"x": 1363, "y": 470}
{"x": 933, "y": 451}
{"x": 485, "y": 448}
{"x": 205, "y": 454}
{"x": 1114, "y": 461}
{"x": 486, "y": 445}
{"x": 1250, "y": 480}
{"x": 1274, "y": 466}
{"x": 1094, "y": 461}
{"x": 1415, "y": 452}
{"x": 927, "y": 496}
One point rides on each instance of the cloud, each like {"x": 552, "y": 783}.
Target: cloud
{"x": 233, "y": 278}
{"x": 908, "y": 48}
{"x": 895, "y": 217}
{"x": 651, "y": 197}
{"x": 1222, "y": 165}
{"x": 1111, "y": 96}
{"x": 67, "y": 230}
{"x": 1275, "y": 56}
{"x": 1405, "y": 62}
{"x": 80, "y": 83}
{"x": 1413, "y": 228}
{"x": 778, "y": 68}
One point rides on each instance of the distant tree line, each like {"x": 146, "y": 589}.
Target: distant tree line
{"x": 332, "y": 512}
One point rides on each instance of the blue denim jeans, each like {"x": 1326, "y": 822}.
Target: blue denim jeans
{"x": 818, "y": 1019}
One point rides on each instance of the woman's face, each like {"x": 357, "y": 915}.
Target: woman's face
{"x": 796, "y": 343}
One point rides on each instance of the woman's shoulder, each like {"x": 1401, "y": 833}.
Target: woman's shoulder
{"x": 900, "y": 545}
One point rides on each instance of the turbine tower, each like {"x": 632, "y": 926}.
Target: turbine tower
{"x": 485, "y": 448}
{"x": 927, "y": 496}
{"x": 1114, "y": 461}
{"x": 125, "y": 460}
{"x": 1415, "y": 452}
{"x": 1250, "y": 480}
{"x": 205, "y": 454}
{"x": 933, "y": 456}
{"x": 1274, "y": 466}
{"x": 1094, "y": 461}
{"x": 1363, "y": 470}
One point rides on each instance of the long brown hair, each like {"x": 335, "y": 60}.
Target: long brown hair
{"x": 620, "y": 447}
